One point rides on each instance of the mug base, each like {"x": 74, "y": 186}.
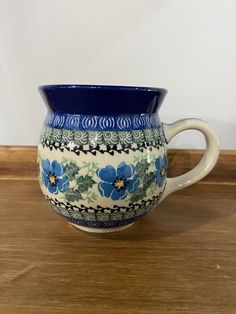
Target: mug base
{"x": 101, "y": 230}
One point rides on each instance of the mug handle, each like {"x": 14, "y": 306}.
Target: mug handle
{"x": 208, "y": 160}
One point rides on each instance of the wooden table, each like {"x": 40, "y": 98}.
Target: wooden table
{"x": 180, "y": 258}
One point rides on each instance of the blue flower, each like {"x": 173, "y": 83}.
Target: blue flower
{"x": 53, "y": 176}
{"x": 161, "y": 166}
{"x": 116, "y": 183}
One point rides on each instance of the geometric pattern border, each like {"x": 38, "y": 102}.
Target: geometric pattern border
{"x": 101, "y": 217}
{"x": 102, "y": 149}
{"x": 102, "y": 122}
{"x": 94, "y": 138}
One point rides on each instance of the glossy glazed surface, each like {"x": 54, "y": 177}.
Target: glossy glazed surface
{"x": 102, "y": 179}
{"x": 102, "y": 99}
{"x": 103, "y": 158}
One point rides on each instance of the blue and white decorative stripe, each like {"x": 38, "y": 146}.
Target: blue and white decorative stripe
{"x": 102, "y": 123}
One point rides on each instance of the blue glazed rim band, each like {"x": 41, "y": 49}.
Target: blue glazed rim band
{"x": 104, "y": 87}
{"x": 102, "y": 99}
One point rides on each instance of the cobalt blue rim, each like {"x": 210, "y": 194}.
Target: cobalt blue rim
{"x": 101, "y": 123}
{"x": 103, "y": 87}
{"x": 102, "y": 99}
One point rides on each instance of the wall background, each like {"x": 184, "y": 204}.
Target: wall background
{"x": 186, "y": 46}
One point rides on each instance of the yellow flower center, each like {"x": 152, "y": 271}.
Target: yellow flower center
{"x": 119, "y": 183}
{"x": 162, "y": 172}
{"x": 52, "y": 179}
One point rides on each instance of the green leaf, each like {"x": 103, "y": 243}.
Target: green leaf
{"x": 71, "y": 170}
{"x": 148, "y": 179}
{"x": 138, "y": 195}
{"x": 136, "y": 158}
{"x": 86, "y": 164}
{"x": 152, "y": 159}
{"x": 90, "y": 197}
{"x": 152, "y": 188}
{"x": 142, "y": 167}
{"x": 73, "y": 195}
{"x": 84, "y": 183}
{"x": 91, "y": 167}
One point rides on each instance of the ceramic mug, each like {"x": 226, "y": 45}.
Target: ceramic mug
{"x": 103, "y": 154}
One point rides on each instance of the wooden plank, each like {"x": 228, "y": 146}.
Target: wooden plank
{"x": 180, "y": 258}
{"x": 182, "y": 160}
{"x": 19, "y": 162}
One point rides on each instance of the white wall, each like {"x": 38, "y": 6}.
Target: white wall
{"x": 186, "y": 46}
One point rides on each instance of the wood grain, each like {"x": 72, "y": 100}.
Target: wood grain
{"x": 18, "y": 162}
{"x": 182, "y": 160}
{"x": 180, "y": 258}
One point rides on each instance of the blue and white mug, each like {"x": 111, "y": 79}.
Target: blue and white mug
{"x": 103, "y": 154}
